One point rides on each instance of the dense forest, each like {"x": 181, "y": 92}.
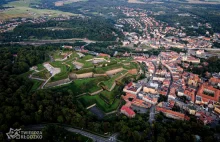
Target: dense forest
{"x": 81, "y": 6}
{"x": 92, "y": 28}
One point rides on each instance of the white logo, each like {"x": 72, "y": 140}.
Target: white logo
{"x": 20, "y": 134}
{"x": 13, "y": 133}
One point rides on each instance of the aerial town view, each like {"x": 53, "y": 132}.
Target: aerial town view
{"x": 110, "y": 70}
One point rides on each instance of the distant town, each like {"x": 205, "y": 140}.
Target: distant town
{"x": 156, "y": 34}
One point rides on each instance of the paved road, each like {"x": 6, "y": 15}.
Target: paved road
{"x": 171, "y": 80}
{"x": 152, "y": 114}
{"x": 155, "y": 69}
{"x": 94, "y": 137}
{"x": 152, "y": 109}
{"x": 211, "y": 49}
{"x": 41, "y": 42}
{"x": 36, "y": 78}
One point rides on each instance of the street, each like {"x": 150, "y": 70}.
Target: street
{"x": 94, "y": 137}
{"x": 152, "y": 114}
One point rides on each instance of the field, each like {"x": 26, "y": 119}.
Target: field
{"x": 114, "y": 64}
{"x": 83, "y": 85}
{"x": 135, "y": 1}
{"x": 72, "y": 1}
{"x": 189, "y": 1}
{"x": 109, "y": 83}
{"x": 199, "y": 1}
{"x": 204, "y": 2}
{"x": 40, "y": 67}
{"x": 88, "y": 100}
{"x": 36, "y": 85}
{"x": 65, "y": 70}
{"x": 68, "y": 67}
{"x": 60, "y": 54}
{"x": 44, "y": 74}
{"x": 86, "y": 63}
{"x": 109, "y": 97}
{"x": 21, "y": 8}
{"x": 144, "y": 46}
{"x": 132, "y": 65}
{"x": 26, "y": 75}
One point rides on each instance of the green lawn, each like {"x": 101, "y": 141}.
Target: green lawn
{"x": 45, "y": 74}
{"x": 122, "y": 59}
{"x": 88, "y": 100}
{"x": 26, "y": 75}
{"x": 80, "y": 86}
{"x": 109, "y": 83}
{"x": 131, "y": 66}
{"x": 57, "y": 55}
{"x": 74, "y": 55}
{"x": 98, "y": 70}
{"x": 86, "y": 63}
{"x": 20, "y": 8}
{"x": 72, "y": 1}
{"x": 83, "y": 71}
{"x": 40, "y": 67}
{"x": 93, "y": 84}
{"x": 110, "y": 67}
{"x": 70, "y": 63}
{"x": 65, "y": 70}
{"x": 36, "y": 85}
{"x": 110, "y": 96}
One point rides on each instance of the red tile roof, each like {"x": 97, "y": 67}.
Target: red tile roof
{"x": 205, "y": 118}
{"x": 103, "y": 55}
{"x": 205, "y": 97}
{"x": 129, "y": 111}
{"x": 130, "y": 84}
{"x": 214, "y": 80}
{"x": 190, "y": 93}
{"x": 174, "y": 113}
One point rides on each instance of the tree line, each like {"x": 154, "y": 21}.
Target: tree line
{"x": 97, "y": 28}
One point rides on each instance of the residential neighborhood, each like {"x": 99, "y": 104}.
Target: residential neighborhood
{"x": 156, "y": 34}
{"x": 183, "y": 90}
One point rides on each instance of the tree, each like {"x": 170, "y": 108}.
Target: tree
{"x": 136, "y": 136}
{"x": 160, "y": 139}
{"x": 60, "y": 119}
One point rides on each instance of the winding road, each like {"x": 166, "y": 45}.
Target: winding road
{"x": 95, "y": 138}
